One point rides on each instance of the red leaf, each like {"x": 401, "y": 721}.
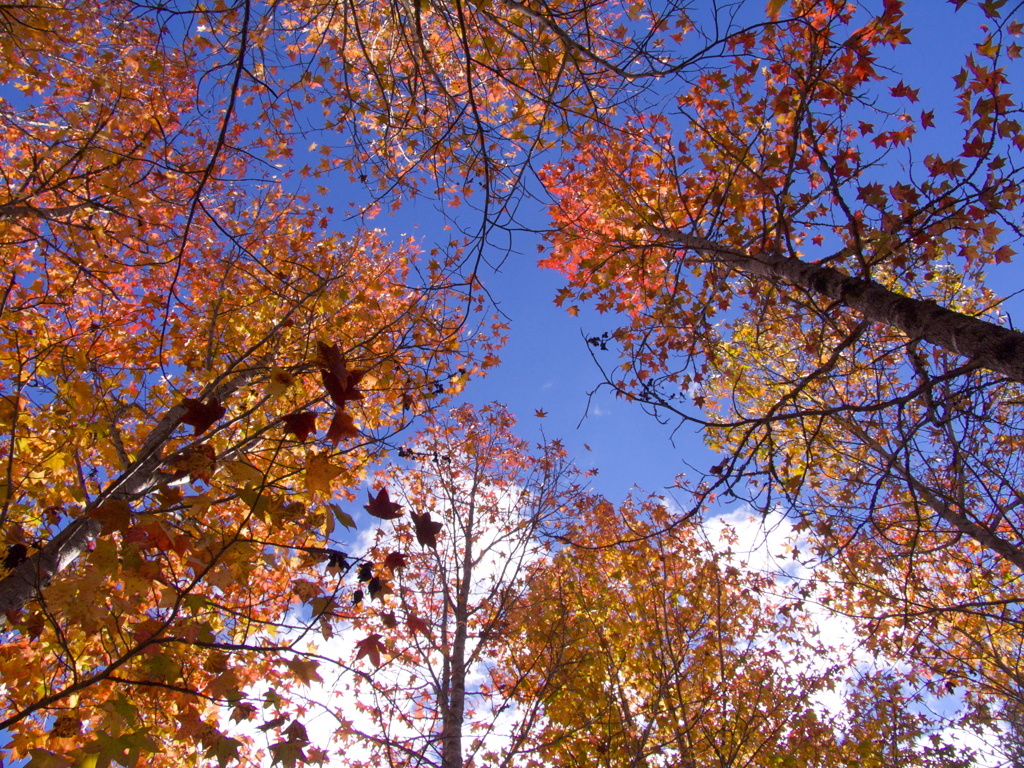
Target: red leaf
{"x": 928, "y": 119}
{"x": 341, "y": 383}
{"x": 415, "y": 624}
{"x": 370, "y": 647}
{"x": 331, "y": 360}
{"x": 300, "y": 424}
{"x": 340, "y": 390}
{"x": 382, "y": 506}
{"x": 395, "y": 561}
{"x": 902, "y": 89}
{"x": 341, "y": 427}
{"x": 426, "y": 529}
{"x": 201, "y": 416}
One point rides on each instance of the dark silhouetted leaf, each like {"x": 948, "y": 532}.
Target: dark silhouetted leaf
{"x": 16, "y": 555}
{"x": 201, "y": 416}
{"x": 337, "y": 560}
{"x": 395, "y": 561}
{"x": 382, "y": 506}
{"x": 374, "y": 587}
{"x": 301, "y": 424}
{"x": 426, "y": 529}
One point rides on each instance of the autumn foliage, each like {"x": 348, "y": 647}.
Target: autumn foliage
{"x": 209, "y": 343}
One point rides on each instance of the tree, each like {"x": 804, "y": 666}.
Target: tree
{"x": 164, "y": 275}
{"x": 474, "y": 510}
{"x": 789, "y": 252}
{"x": 195, "y": 363}
{"x": 178, "y": 311}
{"x": 650, "y": 646}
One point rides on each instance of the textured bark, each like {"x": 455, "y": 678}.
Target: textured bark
{"x": 26, "y": 581}
{"x": 983, "y": 343}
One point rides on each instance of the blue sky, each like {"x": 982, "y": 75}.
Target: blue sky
{"x": 547, "y": 364}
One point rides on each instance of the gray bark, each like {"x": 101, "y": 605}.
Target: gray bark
{"x": 983, "y": 343}
{"x": 28, "y": 579}
{"x": 455, "y": 709}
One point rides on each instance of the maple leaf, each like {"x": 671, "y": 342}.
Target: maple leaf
{"x": 270, "y": 725}
{"x": 16, "y": 554}
{"x": 342, "y": 517}
{"x": 901, "y": 89}
{"x": 540, "y": 413}
{"x": 381, "y": 506}
{"x": 365, "y": 572}
{"x": 417, "y": 625}
{"x": 338, "y": 389}
{"x": 342, "y": 427}
{"x": 375, "y": 588}
{"x": 296, "y": 732}
{"x": 301, "y": 424}
{"x": 201, "y": 416}
{"x": 305, "y": 670}
{"x": 426, "y": 529}
{"x": 371, "y": 647}
{"x": 319, "y": 473}
{"x": 194, "y": 463}
{"x": 395, "y": 561}
{"x": 331, "y": 360}
{"x": 337, "y": 561}
{"x": 225, "y": 749}
{"x": 388, "y": 619}
{"x": 305, "y": 590}
{"x": 243, "y": 711}
{"x": 242, "y": 472}
{"x": 116, "y": 515}
{"x": 316, "y": 755}
{"x": 280, "y": 382}
{"x": 341, "y": 384}
{"x": 288, "y": 753}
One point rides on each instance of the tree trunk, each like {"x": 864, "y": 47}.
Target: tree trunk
{"x": 982, "y": 342}
{"x": 455, "y": 711}
{"x": 33, "y": 575}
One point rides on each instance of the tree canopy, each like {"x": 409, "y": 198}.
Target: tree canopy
{"x": 210, "y": 343}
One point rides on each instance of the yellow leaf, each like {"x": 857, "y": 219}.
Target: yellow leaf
{"x": 279, "y": 383}
{"x": 242, "y": 472}
{"x": 319, "y": 473}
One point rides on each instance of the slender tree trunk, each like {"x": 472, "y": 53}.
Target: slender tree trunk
{"x": 33, "y": 575}
{"x": 984, "y": 343}
{"x": 983, "y": 535}
{"x": 455, "y": 711}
